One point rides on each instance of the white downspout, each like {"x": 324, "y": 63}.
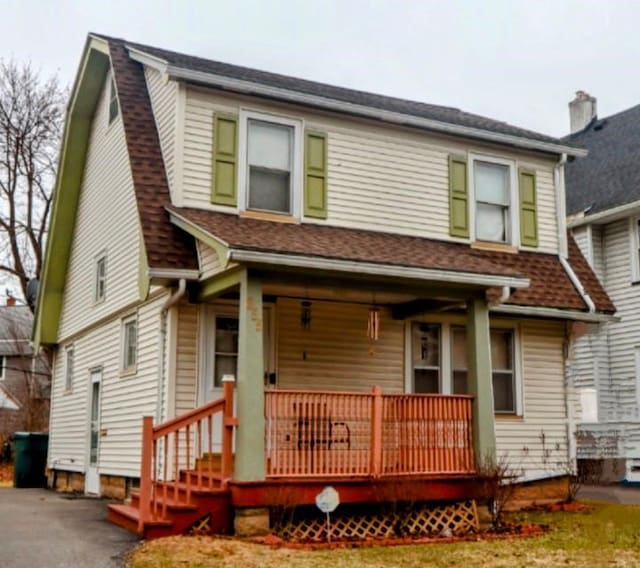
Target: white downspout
{"x": 576, "y": 282}
{"x": 171, "y": 301}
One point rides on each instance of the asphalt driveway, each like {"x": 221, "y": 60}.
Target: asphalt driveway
{"x": 43, "y": 529}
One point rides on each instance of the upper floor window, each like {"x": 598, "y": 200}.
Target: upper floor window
{"x": 634, "y": 237}
{"x": 3, "y": 363}
{"x": 100, "y": 278}
{"x": 492, "y": 201}
{"x": 68, "y": 371}
{"x": 113, "y": 102}
{"x": 129, "y": 344}
{"x": 270, "y": 158}
{"x": 492, "y": 183}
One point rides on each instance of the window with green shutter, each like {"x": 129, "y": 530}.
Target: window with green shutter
{"x": 315, "y": 174}
{"x": 458, "y": 197}
{"x": 225, "y": 160}
{"x": 528, "y": 209}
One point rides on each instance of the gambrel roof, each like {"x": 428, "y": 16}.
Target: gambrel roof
{"x": 170, "y": 249}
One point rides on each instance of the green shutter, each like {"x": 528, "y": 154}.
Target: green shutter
{"x": 528, "y": 209}
{"x": 315, "y": 174}
{"x": 225, "y": 160}
{"x": 458, "y": 197}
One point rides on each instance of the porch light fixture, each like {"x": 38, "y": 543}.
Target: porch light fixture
{"x": 305, "y": 314}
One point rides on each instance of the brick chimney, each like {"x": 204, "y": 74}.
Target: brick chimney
{"x": 582, "y": 110}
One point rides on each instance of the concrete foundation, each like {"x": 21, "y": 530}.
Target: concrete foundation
{"x": 251, "y": 522}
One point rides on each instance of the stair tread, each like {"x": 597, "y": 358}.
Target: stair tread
{"x": 133, "y": 513}
{"x": 170, "y": 502}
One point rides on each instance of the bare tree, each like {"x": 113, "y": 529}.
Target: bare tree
{"x": 31, "y": 118}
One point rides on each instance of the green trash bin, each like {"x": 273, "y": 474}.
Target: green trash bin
{"x": 30, "y": 459}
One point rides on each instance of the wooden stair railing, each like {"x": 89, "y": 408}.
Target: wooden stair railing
{"x": 169, "y": 448}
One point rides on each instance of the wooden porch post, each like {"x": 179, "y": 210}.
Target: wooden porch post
{"x": 480, "y": 381}
{"x": 250, "y": 445}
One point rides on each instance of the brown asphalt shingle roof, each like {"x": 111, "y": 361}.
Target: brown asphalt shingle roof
{"x": 550, "y": 285}
{"x": 166, "y": 245}
{"x": 169, "y": 247}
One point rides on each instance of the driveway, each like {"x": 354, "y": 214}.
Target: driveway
{"x": 42, "y": 529}
{"x": 624, "y": 494}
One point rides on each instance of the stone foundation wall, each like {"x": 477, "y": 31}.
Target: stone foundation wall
{"x": 540, "y": 492}
{"x": 65, "y": 481}
{"x": 111, "y": 486}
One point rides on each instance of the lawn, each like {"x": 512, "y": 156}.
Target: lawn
{"x": 608, "y": 535}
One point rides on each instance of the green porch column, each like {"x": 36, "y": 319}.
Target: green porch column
{"x": 480, "y": 382}
{"x": 250, "y": 448}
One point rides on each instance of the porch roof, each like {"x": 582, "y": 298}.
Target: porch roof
{"x": 549, "y": 283}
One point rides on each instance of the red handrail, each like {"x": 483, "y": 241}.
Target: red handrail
{"x": 166, "y": 470}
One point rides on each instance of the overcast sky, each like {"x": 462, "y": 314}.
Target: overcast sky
{"x": 518, "y": 61}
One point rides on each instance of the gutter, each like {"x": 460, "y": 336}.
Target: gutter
{"x": 554, "y": 313}
{"x": 354, "y": 267}
{"x": 261, "y": 90}
{"x": 613, "y": 214}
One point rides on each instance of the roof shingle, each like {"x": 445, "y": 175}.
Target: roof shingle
{"x": 550, "y": 285}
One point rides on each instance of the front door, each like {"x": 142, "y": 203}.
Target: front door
{"x": 219, "y": 348}
{"x": 92, "y": 475}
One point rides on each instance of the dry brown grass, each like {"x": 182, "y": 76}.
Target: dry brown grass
{"x": 607, "y": 536}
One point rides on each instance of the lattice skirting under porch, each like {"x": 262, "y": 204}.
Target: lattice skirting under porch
{"x": 421, "y": 520}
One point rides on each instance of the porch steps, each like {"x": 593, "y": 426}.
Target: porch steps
{"x": 208, "y": 510}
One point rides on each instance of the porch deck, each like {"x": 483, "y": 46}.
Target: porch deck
{"x": 372, "y": 447}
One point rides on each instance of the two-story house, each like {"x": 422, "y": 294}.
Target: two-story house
{"x": 298, "y": 285}
{"x": 603, "y": 204}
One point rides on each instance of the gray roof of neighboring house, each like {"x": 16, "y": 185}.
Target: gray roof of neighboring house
{"x": 443, "y": 114}
{"x": 610, "y": 175}
{"x": 15, "y": 330}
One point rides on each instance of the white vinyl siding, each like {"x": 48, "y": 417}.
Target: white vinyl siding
{"x": 537, "y": 442}
{"x": 164, "y": 99}
{"x": 335, "y": 353}
{"x": 186, "y": 359}
{"x": 379, "y": 177}
{"x": 123, "y": 401}
{"x": 209, "y": 260}
{"x": 107, "y": 219}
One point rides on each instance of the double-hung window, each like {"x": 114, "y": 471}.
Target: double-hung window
{"x": 440, "y": 363}
{"x": 270, "y": 174}
{"x": 100, "y": 279}
{"x": 492, "y": 184}
{"x": 129, "y": 344}
{"x": 68, "y": 371}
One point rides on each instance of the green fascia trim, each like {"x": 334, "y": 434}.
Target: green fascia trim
{"x": 208, "y": 239}
{"x": 87, "y": 89}
{"x": 220, "y": 282}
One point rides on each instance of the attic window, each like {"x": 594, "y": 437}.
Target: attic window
{"x": 113, "y": 102}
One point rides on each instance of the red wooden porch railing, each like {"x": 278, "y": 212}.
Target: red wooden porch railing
{"x": 318, "y": 434}
{"x": 178, "y": 445}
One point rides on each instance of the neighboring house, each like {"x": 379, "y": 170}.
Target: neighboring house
{"x": 603, "y": 205}
{"x": 340, "y": 254}
{"x": 24, "y": 379}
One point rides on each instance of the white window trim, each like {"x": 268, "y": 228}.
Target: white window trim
{"x": 634, "y": 245}
{"x": 514, "y": 202}
{"x": 102, "y": 255}
{"x": 446, "y": 371}
{"x": 69, "y": 370}
{"x": 131, "y": 370}
{"x": 296, "y": 164}
{"x": 3, "y": 367}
